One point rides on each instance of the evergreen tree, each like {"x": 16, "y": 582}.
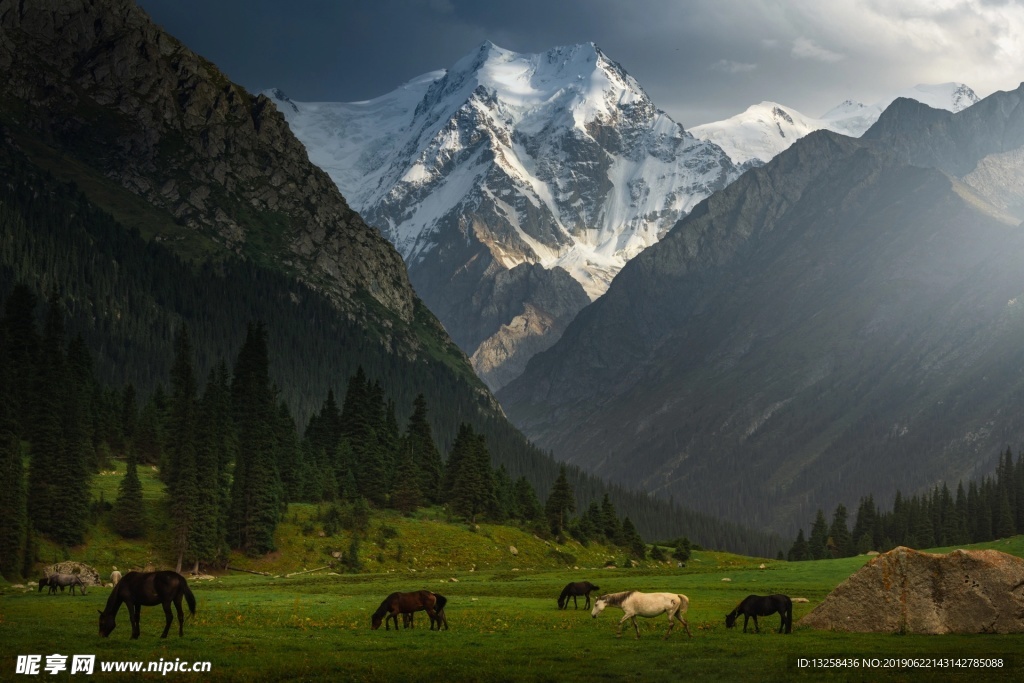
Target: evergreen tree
{"x": 472, "y": 489}
{"x": 560, "y": 503}
{"x": 180, "y": 462}
{"x": 406, "y": 495}
{"x": 527, "y": 504}
{"x": 683, "y": 550}
{"x": 633, "y": 542}
{"x": 21, "y": 353}
{"x": 13, "y": 504}
{"x": 420, "y": 440}
{"x": 214, "y": 452}
{"x": 800, "y": 551}
{"x": 256, "y": 488}
{"x": 129, "y": 514}
{"x": 839, "y": 533}
{"x": 818, "y": 542}
{"x": 610, "y": 525}
{"x": 1004, "y": 527}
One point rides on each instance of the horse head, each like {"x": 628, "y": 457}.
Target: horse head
{"x": 730, "y": 619}
{"x": 106, "y": 623}
{"x": 599, "y": 605}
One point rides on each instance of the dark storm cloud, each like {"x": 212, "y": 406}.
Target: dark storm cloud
{"x": 700, "y": 60}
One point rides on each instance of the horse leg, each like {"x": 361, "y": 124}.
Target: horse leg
{"x": 586, "y": 605}
{"x": 181, "y": 617}
{"x": 671, "y": 624}
{"x": 575, "y": 605}
{"x": 756, "y": 627}
{"x": 621, "y": 622}
{"x": 635, "y": 627}
{"x": 432, "y": 614}
{"x": 134, "y": 613}
{"x": 746, "y": 619}
{"x": 169, "y": 617}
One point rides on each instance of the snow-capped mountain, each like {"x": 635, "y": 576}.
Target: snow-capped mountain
{"x": 765, "y": 129}
{"x": 510, "y": 160}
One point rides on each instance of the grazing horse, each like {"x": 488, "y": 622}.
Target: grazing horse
{"x": 761, "y": 606}
{"x": 69, "y": 580}
{"x": 136, "y": 589}
{"x": 407, "y": 603}
{"x": 440, "y": 618}
{"x": 573, "y": 590}
{"x": 635, "y": 603}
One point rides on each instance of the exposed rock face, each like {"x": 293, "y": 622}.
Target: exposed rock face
{"x": 843, "y": 320}
{"x": 906, "y": 591}
{"x": 99, "y": 82}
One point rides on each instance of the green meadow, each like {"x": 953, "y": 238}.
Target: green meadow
{"x": 505, "y": 624}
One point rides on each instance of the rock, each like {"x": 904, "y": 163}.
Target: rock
{"x": 906, "y": 591}
{"x": 762, "y": 566}
{"x": 726, "y": 579}
{"x": 512, "y": 549}
{"x": 800, "y": 600}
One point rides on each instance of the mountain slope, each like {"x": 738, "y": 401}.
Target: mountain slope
{"x": 557, "y": 159}
{"x": 146, "y": 191}
{"x": 841, "y": 321}
{"x": 766, "y": 129}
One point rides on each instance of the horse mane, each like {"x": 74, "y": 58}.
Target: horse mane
{"x": 616, "y": 598}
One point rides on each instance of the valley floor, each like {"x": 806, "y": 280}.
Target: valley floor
{"x": 505, "y": 626}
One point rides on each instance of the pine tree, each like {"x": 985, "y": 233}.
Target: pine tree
{"x": 179, "y": 471}
{"x": 560, "y": 503}
{"x": 633, "y": 541}
{"x": 427, "y": 458}
{"x": 610, "y": 525}
{"x": 683, "y": 550}
{"x": 818, "y": 542}
{"x": 527, "y": 504}
{"x": 256, "y": 488}
{"x": 800, "y": 551}
{"x": 129, "y": 514}
{"x": 406, "y": 495}
{"x": 839, "y": 533}
{"x": 13, "y": 501}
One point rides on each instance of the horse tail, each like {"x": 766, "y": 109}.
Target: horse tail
{"x": 441, "y": 602}
{"x": 684, "y": 604}
{"x": 189, "y": 598}
{"x": 788, "y": 619}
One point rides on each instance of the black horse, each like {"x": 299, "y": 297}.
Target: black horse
{"x": 573, "y": 590}
{"x": 136, "y": 589}
{"x": 761, "y": 606}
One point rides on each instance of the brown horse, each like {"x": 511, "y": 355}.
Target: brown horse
{"x": 407, "y": 603}
{"x": 136, "y": 589}
{"x": 573, "y": 590}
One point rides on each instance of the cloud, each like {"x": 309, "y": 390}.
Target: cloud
{"x": 805, "y": 48}
{"x": 730, "y": 67}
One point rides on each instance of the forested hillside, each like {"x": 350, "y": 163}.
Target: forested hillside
{"x": 127, "y": 297}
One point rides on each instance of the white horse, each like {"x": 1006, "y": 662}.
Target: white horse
{"x": 635, "y": 603}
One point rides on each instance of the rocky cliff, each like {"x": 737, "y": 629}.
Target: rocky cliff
{"x": 102, "y": 86}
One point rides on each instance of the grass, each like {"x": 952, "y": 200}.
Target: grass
{"x": 505, "y": 625}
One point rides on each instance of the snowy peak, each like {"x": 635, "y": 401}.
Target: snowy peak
{"x": 853, "y": 118}
{"x": 504, "y": 160}
{"x": 764, "y": 130}
{"x": 759, "y": 133}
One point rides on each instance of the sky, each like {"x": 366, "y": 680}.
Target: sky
{"x": 699, "y": 60}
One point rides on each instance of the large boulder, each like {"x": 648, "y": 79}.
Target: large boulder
{"x": 906, "y": 591}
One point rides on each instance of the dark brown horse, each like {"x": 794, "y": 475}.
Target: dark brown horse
{"x": 136, "y": 589}
{"x": 407, "y": 603}
{"x": 761, "y": 606}
{"x": 573, "y": 590}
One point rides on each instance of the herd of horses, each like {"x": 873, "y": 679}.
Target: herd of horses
{"x": 136, "y": 590}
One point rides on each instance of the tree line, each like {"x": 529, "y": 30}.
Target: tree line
{"x": 230, "y": 455}
{"x": 981, "y": 512}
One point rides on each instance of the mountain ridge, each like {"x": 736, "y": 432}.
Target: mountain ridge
{"x": 558, "y": 159}
{"x": 783, "y": 317}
